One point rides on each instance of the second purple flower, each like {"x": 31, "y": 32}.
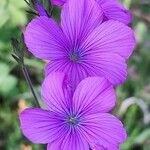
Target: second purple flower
{"x": 77, "y": 121}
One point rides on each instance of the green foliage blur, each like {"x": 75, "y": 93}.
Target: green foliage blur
{"x": 133, "y": 97}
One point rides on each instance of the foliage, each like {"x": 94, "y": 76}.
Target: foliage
{"x": 15, "y": 94}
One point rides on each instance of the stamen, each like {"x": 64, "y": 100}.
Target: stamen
{"x": 74, "y": 57}
{"x": 73, "y": 121}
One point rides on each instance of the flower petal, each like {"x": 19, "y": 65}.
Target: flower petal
{"x": 79, "y": 18}
{"x": 74, "y": 141}
{"x": 98, "y": 146}
{"x": 56, "y": 93}
{"x": 58, "y": 2}
{"x": 108, "y": 65}
{"x": 54, "y": 145}
{"x": 113, "y": 9}
{"x": 45, "y": 39}
{"x": 112, "y": 37}
{"x": 74, "y": 72}
{"x": 93, "y": 95}
{"x": 41, "y": 126}
{"x": 104, "y": 130}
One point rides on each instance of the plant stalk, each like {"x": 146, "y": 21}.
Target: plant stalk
{"x": 26, "y": 75}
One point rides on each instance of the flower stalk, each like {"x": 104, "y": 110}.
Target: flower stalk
{"x": 27, "y": 77}
{"x": 18, "y": 49}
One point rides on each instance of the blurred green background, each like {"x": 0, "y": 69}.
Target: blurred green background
{"x": 133, "y": 97}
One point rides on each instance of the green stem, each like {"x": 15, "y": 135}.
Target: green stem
{"x": 27, "y": 77}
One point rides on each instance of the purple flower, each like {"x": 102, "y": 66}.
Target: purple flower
{"x": 112, "y": 9}
{"x": 82, "y": 45}
{"x": 74, "y": 121}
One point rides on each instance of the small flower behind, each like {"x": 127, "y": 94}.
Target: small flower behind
{"x": 77, "y": 121}
{"x": 112, "y": 9}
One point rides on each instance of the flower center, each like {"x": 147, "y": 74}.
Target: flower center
{"x": 73, "y": 121}
{"x": 74, "y": 56}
